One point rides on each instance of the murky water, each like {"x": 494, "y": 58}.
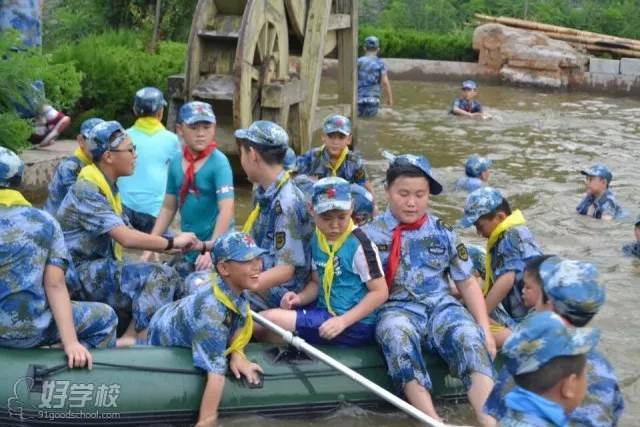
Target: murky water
{"x": 538, "y": 142}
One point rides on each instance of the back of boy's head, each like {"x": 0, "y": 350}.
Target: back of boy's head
{"x": 411, "y": 166}
{"x": 148, "y": 101}
{"x": 331, "y": 193}
{"x": 267, "y": 138}
{"x": 362, "y": 201}
{"x": 543, "y": 350}
{"x": 476, "y": 165}
{"x": 485, "y": 202}
{"x": 573, "y": 288}
{"x": 371, "y": 43}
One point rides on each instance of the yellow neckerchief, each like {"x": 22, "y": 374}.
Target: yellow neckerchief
{"x": 255, "y": 213}
{"x": 329, "y": 268}
{"x": 509, "y": 222}
{"x": 92, "y": 174}
{"x": 341, "y": 158}
{"x": 242, "y": 338}
{"x": 148, "y": 125}
{"x": 82, "y": 156}
{"x": 11, "y": 198}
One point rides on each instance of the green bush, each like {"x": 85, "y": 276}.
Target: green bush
{"x": 115, "y": 65}
{"x": 395, "y": 43}
{"x": 18, "y": 70}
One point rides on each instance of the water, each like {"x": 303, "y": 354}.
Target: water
{"x": 538, "y": 142}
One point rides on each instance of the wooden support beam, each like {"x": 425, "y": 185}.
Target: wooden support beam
{"x": 348, "y": 61}
{"x": 339, "y": 21}
{"x": 204, "y": 10}
{"x": 278, "y": 95}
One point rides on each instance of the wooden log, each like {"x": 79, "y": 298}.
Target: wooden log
{"x": 548, "y": 28}
{"x": 347, "y": 60}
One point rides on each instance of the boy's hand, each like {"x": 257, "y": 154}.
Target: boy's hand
{"x": 204, "y": 262}
{"x": 491, "y": 344}
{"x": 290, "y": 300}
{"x": 332, "y": 328}
{"x": 185, "y": 241}
{"x": 240, "y": 367}
{"x": 78, "y": 356}
{"x": 148, "y": 256}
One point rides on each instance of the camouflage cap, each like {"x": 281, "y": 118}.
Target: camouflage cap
{"x": 362, "y": 200}
{"x": 332, "y": 193}
{"x": 573, "y": 288}
{"x": 196, "y": 112}
{"x": 11, "y": 166}
{"x": 371, "y": 42}
{"x": 475, "y": 165}
{"x": 290, "y": 160}
{"x": 598, "y": 170}
{"x": 235, "y": 246}
{"x": 337, "y": 123}
{"x": 98, "y": 141}
{"x": 478, "y": 256}
{"x": 264, "y": 133}
{"x": 148, "y": 101}
{"x": 480, "y": 202}
{"x": 420, "y": 162}
{"x": 88, "y": 125}
{"x": 541, "y": 337}
{"x": 469, "y": 84}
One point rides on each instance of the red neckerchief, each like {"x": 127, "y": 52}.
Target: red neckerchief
{"x": 396, "y": 246}
{"x": 189, "y": 182}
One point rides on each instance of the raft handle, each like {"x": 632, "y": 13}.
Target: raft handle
{"x": 287, "y": 355}
{"x": 39, "y": 373}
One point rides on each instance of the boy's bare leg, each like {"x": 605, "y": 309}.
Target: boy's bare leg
{"x": 420, "y": 397}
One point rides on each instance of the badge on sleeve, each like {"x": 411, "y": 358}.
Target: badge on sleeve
{"x": 461, "y": 249}
{"x": 360, "y": 175}
{"x": 277, "y": 208}
{"x": 280, "y": 239}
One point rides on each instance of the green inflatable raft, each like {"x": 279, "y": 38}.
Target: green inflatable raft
{"x": 154, "y": 385}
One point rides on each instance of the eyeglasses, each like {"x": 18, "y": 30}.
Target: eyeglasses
{"x": 130, "y": 150}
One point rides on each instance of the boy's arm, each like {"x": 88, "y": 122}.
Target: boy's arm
{"x": 211, "y": 400}
{"x": 166, "y": 215}
{"x": 500, "y": 289}
{"x": 223, "y": 221}
{"x": 474, "y": 301}
{"x": 275, "y": 276}
{"x": 59, "y": 302}
{"x": 386, "y": 86}
{"x": 377, "y": 295}
{"x": 306, "y": 296}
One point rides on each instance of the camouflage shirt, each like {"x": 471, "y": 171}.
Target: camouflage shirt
{"x": 315, "y": 163}
{"x": 64, "y": 177}
{"x": 370, "y": 72}
{"x": 606, "y": 204}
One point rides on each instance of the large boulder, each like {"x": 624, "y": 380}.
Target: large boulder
{"x": 528, "y": 57}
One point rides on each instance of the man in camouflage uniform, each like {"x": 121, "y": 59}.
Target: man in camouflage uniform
{"x": 35, "y": 308}
{"x": 548, "y": 361}
{"x": 372, "y": 75}
{"x": 575, "y": 294}
{"x": 421, "y": 311}
{"x": 280, "y": 222}
{"x": 67, "y": 171}
{"x": 599, "y": 202}
{"x": 96, "y": 232}
{"x": 215, "y": 321}
{"x": 510, "y": 248}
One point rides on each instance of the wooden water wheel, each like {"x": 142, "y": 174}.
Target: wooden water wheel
{"x": 262, "y": 59}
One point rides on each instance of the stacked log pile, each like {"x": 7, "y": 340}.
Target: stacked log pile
{"x": 528, "y": 57}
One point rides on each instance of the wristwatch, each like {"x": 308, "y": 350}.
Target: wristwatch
{"x": 169, "y": 243}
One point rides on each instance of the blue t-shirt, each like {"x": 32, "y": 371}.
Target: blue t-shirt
{"x": 214, "y": 180}
{"x": 370, "y": 72}
{"x": 472, "y": 106}
{"x": 144, "y": 190}
{"x": 356, "y": 263}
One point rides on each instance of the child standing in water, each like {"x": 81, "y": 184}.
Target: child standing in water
{"x": 372, "y": 76}
{"x": 633, "y": 249}
{"x": 599, "y": 202}
{"x": 477, "y": 172}
{"x": 465, "y": 105}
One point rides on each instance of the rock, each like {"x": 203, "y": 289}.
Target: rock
{"x": 630, "y": 66}
{"x": 528, "y": 57}
{"x": 604, "y": 66}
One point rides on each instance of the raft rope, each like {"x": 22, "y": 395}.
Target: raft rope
{"x": 46, "y": 372}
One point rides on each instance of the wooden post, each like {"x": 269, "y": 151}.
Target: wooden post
{"x": 156, "y": 27}
{"x": 204, "y": 10}
{"x": 311, "y": 65}
{"x": 348, "y": 61}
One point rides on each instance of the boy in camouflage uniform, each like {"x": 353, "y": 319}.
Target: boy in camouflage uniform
{"x": 633, "y": 249}
{"x": 418, "y": 252}
{"x": 96, "y": 231}
{"x": 215, "y": 322}
{"x": 599, "y": 202}
{"x": 571, "y": 290}
{"x": 509, "y": 245}
{"x": 372, "y": 74}
{"x": 465, "y": 105}
{"x": 548, "y": 361}
{"x": 477, "y": 172}
{"x": 67, "y": 171}
{"x": 35, "y": 308}
{"x": 279, "y": 222}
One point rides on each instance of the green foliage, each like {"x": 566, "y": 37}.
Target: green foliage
{"x": 396, "y": 43}
{"x": 18, "y": 70}
{"x": 115, "y": 65}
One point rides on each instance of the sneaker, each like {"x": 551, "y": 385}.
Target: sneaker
{"x": 56, "y": 127}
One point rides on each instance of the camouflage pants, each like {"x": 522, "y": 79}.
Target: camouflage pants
{"x": 139, "y": 288}
{"x": 95, "y": 325}
{"x": 447, "y": 328}
{"x": 367, "y": 109}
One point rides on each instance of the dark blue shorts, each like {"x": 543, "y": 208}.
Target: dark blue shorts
{"x": 308, "y": 321}
{"x": 367, "y": 109}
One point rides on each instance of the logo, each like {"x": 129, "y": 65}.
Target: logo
{"x": 461, "y": 249}
{"x": 280, "y": 239}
